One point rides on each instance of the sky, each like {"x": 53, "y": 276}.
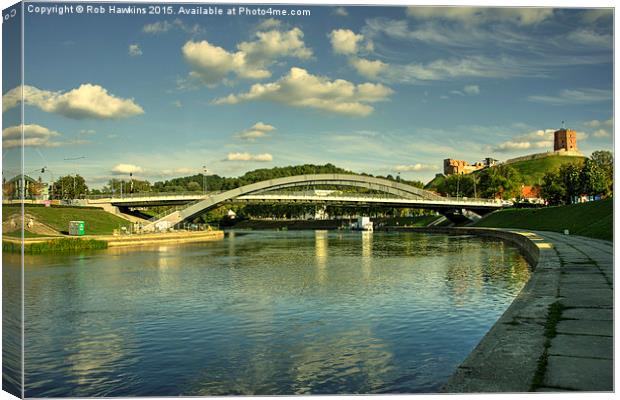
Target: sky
{"x": 380, "y": 90}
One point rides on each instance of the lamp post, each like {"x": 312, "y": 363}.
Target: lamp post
{"x": 204, "y": 179}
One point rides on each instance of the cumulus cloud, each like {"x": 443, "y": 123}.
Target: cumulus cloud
{"x": 249, "y": 157}
{"x": 125, "y": 169}
{"x": 576, "y": 96}
{"x": 478, "y": 15}
{"x": 179, "y": 171}
{"x": 341, "y": 12}
{"x": 86, "y": 101}
{"x": 415, "y": 168}
{"x": 166, "y": 26}
{"x": 135, "y": 50}
{"x": 345, "y": 41}
{"x": 538, "y": 139}
{"x": 210, "y": 63}
{"x": 472, "y": 89}
{"x": 269, "y": 23}
{"x": 258, "y": 130}
{"x": 34, "y": 136}
{"x": 601, "y": 133}
{"x": 301, "y": 89}
{"x": 595, "y": 123}
{"x": 368, "y": 68}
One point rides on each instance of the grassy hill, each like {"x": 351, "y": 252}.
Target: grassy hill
{"x": 533, "y": 171}
{"x": 593, "y": 219}
{"x": 97, "y": 221}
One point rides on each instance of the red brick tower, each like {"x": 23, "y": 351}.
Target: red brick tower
{"x": 565, "y": 139}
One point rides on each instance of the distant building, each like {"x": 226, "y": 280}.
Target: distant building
{"x": 453, "y": 167}
{"x": 531, "y": 194}
{"x": 565, "y": 139}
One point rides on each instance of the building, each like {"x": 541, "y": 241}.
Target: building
{"x": 565, "y": 139}
{"x": 453, "y": 167}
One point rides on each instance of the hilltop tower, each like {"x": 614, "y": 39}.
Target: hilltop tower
{"x": 565, "y": 139}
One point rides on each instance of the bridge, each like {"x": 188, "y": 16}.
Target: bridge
{"x": 393, "y": 194}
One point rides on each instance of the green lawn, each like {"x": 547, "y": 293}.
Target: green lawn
{"x": 593, "y": 219}
{"x": 27, "y": 234}
{"x": 533, "y": 171}
{"x": 97, "y": 221}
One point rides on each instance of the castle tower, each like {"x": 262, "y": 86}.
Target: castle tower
{"x": 565, "y": 139}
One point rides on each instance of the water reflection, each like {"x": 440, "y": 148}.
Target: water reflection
{"x": 264, "y": 313}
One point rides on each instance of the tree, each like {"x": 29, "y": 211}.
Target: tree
{"x": 593, "y": 179}
{"x": 194, "y": 186}
{"x": 500, "y": 181}
{"x": 457, "y": 185}
{"x": 571, "y": 181}
{"x": 604, "y": 160}
{"x": 69, "y": 187}
{"x": 552, "y": 188}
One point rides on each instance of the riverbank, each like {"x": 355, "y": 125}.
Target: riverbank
{"x": 51, "y": 244}
{"x": 557, "y": 334}
{"x": 593, "y": 219}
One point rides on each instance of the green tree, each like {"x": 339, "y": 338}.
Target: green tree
{"x": 69, "y": 187}
{"x": 500, "y": 181}
{"x": 570, "y": 176}
{"x": 194, "y": 186}
{"x": 457, "y": 185}
{"x": 552, "y": 188}
{"x": 593, "y": 180}
{"x": 604, "y": 160}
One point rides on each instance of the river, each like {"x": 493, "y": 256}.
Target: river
{"x": 264, "y": 312}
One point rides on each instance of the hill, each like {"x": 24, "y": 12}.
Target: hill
{"x": 593, "y": 219}
{"x": 96, "y": 221}
{"x": 533, "y": 171}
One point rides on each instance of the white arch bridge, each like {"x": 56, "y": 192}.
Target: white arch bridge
{"x": 393, "y": 194}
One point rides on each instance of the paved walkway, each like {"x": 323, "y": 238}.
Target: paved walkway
{"x": 581, "y": 354}
{"x": 576, "y": 272}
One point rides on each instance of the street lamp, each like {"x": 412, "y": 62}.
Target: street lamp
{"x": 204, "y": 179}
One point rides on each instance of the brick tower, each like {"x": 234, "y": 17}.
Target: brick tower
{"x": 565, "y": 139}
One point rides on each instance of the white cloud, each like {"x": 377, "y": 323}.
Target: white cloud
{"x": 86, "y": 101}
{"x": 590, "y": 38}
{"x": 601, "y": 133}
{"x": 34, "y": 136}
{"x": 595, "y": 123}
{"x": 345, "y": 41}
{"x": 166, "y": 26}
{"x": 249, "y": 157}
{"x": 478, "y": 15}
{"x": 135, "y": 50}
{"x": 302, "y": 89}
{"x": 415, "y": 168}
{"x": 577, "y": 96}
{"x": 210, "y": 64}
{"x": 341, "y": 12}
{"x": 472, "y": 89}
{"x": 179, "y": 171}
{"x": 124, "y": 169}
{"x": 538, "y": 139}
{"x": 593, "y": 15}
{"x": 258, "y": 130}
{"x": 368, "y": 68}
{"x": 269, "y": 23}
{"x": 177, "y": 103}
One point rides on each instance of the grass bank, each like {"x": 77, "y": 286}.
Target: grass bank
{"x": 97, "y": 221}
{"x": 63, "y": 245}
{"x": 593, "y": 219}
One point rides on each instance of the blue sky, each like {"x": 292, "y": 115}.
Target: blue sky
{"x": 372, "y": 89}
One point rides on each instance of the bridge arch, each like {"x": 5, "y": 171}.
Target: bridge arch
{"x": 384, "y": 185}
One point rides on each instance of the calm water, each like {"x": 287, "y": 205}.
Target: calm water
{"x": 264, "y": 313}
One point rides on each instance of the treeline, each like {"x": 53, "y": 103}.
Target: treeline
{"x": 592, "y": 177}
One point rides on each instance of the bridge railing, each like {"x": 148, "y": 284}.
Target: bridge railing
{"x": 147, "y": 194}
